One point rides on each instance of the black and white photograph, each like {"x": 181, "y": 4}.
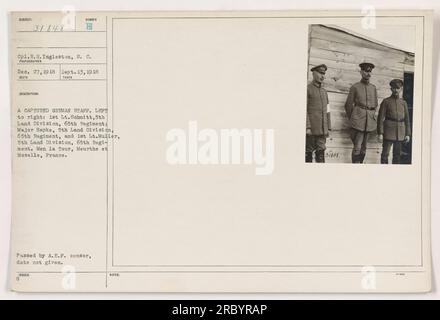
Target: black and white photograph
{"x": 360, "y": 94}
{"x": 161, "y": 152}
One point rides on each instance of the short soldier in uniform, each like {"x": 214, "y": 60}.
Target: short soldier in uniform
{"x": 393, "y": 123}
{"x": 361, "y": 108}
{"x": 318, "y": 116}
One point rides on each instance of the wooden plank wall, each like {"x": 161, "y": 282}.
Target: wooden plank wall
{"x": 342, "y": 52}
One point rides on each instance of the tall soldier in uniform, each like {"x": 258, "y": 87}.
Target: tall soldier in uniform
{"x": 393, "y": 123}
{"x": 318, "y": 116}
{"x": 361, "y": 108}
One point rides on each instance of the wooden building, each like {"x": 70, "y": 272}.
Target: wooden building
{"x": 342, "y": 51}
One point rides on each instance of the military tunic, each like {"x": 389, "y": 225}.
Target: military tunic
{"x": 394, "y": 119}
{"x": 317, "y": 117}
{"x": 318, "y": 121}
{"x": 361, "y": 106}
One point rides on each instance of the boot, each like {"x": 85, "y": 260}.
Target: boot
{"x": 309, "y": 156}
{"x": 354, "y": 158}
{"x": 383, "y": 160}
{"x": 396, "y": 160}
{"x": 361, "y": 158}
{"x": 320, "y": 156}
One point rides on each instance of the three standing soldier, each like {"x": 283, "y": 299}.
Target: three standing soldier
{"x": 318, "y": 116}
{"x": 361, "y": 108}
{"x": 361, "y": 105}
{"x": 393, "y": 124}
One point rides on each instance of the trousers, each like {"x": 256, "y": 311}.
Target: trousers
{"x": 359, "y": 139}
{"x": 386, "y": 148}
{"x": 315, "y": 144}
